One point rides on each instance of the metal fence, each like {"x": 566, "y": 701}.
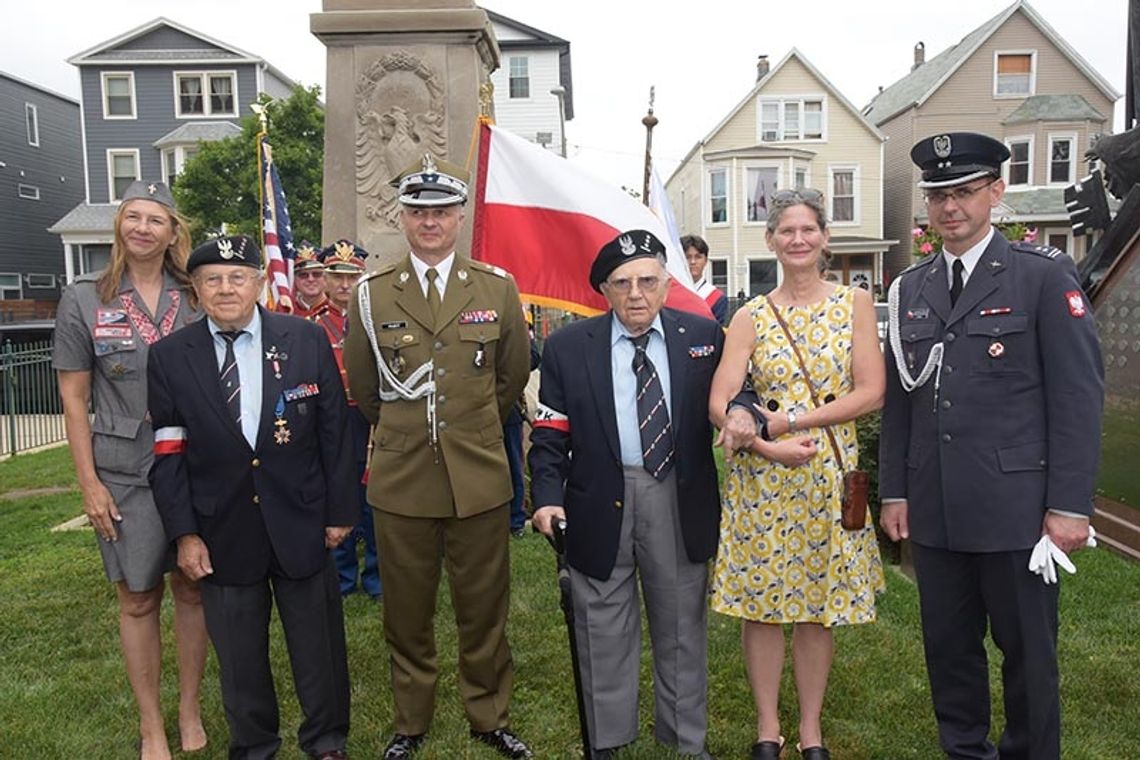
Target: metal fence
{"x": 31, "y": 413}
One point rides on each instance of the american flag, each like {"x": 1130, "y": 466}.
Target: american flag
{"x": 277, "y": 234}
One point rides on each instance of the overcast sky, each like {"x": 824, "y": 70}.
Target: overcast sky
{"x": 700, "y": 55}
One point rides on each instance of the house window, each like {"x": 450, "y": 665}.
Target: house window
{"x": 791, "y": 118}
{"x": 119, "y": 95}
{"x": 1014, "y": 74}
{"x": 28, "y": 192}
{"x": 762, "y": 276}
{"x": 1059, "y": 240}
{"x": 122, "y": 170}
{"x": 1020, "y": 162}
{"x": 31, "y": 116}
{"x": 719, "y": 277}
{"x": 1061, "y": 159}
{"x": 801, "y": 179}
{"x": 41, "y": 281}
{"x": 205, "y": 93}
{"x": 718, "y": 196}
{"x": 10, "y": 286}
{"x": 520, "y": 77}
{"x": 843, "y": 195}
{"x": 761, "y": 183}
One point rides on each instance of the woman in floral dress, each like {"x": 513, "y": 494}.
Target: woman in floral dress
{"x": 784, "y": 558}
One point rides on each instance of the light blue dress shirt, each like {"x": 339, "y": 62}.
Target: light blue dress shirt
{"x": 247, "y": 351}
{"x": 625, "y": 384}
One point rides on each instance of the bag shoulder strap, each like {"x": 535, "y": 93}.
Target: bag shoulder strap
{"x": 807, "y": 378}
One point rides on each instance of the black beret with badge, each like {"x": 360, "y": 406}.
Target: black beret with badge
{"x": 235, "y": 250}
{"x": 344, "y": 256}
{"x": 431, "y": 182}
{"x": 146, "y": 190}
{"x": 634, "y": 244}
{"x": 955, "y": 158}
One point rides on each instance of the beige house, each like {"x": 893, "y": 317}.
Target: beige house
{"x": 793, "y": 130}
{"x": 1016, "y": 79}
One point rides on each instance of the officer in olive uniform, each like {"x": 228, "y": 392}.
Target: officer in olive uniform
{"x": 991, "y": 436}
{"x": 436, "y": 354}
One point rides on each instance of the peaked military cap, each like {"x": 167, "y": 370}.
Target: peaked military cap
{"x": 634, "y": 244}
{"x": 237, "y": 250}
{"x": 308, "y": 258}
{"x": 955, "y": 158}
{"x": 429, "y": 182}
{"x": 344, "y": 256}
{"x": 146, "y": 190}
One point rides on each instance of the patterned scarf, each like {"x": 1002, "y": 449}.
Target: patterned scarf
{"x": 143, "y": 324}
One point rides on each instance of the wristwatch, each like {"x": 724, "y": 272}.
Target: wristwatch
{"x": 791, "y": 421}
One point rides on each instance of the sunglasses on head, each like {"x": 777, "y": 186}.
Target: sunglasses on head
{"x": 800, "y": 195}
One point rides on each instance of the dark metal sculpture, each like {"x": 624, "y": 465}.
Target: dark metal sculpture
{"x": 1121, "y": 157}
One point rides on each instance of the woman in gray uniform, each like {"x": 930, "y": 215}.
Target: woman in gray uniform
{"x": 105, "y": 325}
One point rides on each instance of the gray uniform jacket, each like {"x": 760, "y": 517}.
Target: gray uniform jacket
{"x": 1015, "y": 426}
{"x": 102, "y": 339}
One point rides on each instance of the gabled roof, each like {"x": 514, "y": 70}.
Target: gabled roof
{"x": 831, "y": 89}
{"x": 536, "y": 38}
{"x": 915, "y": 88}
{"x": 213, "y": 50}
{"x": 40, "y": 87}
{"x": 198, "y": 131}
{"x": 1054, "y": 108}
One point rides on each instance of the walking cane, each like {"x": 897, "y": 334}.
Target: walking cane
{"x": 558, "y": 542}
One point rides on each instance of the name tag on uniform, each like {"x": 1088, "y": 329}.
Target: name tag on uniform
{"x": 112, "y": 332}
{"x": 478, "y": 317}
{"x": 923, "y": 313}
{"x": 393, "y": 325}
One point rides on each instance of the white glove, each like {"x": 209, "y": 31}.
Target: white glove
{"x": 1046, "y": 556}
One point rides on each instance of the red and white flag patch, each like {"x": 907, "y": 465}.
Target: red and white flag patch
{"x": 546, "y": 417}
{"x": 1076, "y": 303}
{"x": 169, "y": 440}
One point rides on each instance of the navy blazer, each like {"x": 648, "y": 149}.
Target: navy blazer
{"x": 575, "y": 455}
{"x": 1015, "y": 426}
{"x": 269, "y": 502}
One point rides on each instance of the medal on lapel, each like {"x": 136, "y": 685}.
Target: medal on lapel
{"x": 397, "y": 364}
{"x": 480, "y": 357}
{"x": 281, "y": 433}
{"x": 276, "y": 357}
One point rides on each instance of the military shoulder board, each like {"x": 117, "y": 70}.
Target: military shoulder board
{"x": 491, "y": 268}
{"x": 1045, "y": 251}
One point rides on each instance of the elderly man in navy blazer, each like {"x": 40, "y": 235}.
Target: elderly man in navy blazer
{"x": 622, "y": 450}
{"x": 254, "y": 479}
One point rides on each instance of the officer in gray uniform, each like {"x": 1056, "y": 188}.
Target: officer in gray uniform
{"x": 991, "y": 437}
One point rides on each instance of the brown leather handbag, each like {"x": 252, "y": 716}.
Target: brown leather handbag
{"x": 856, "y": 483}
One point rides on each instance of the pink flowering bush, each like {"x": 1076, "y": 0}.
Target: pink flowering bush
{"x": 925, "y": 241}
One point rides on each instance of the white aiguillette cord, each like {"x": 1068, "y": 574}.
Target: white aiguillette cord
{"x": 933, "y": 361}
{"x": 418, "y": 385}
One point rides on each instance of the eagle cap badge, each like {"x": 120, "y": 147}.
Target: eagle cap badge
{"x": 942, "y": 146}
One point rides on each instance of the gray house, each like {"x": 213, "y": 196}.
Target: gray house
{"x": 149, "y": 97}
{"x": 41, "y": 177}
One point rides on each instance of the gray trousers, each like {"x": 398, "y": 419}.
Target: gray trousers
{"x": 607, "y": 620}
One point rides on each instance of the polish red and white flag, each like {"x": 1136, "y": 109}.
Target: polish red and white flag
{"x": 543, "y": 219}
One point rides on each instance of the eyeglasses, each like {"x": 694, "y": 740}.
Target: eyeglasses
{"x": 235, "y": 280}
{"x": 645, "y": 284}
{"x": 799, "y": 195}
{"x": 315, "y": 274}
{"x": 959, "y": 194}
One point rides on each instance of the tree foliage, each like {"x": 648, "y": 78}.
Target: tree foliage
{"x": 218, "y": 186}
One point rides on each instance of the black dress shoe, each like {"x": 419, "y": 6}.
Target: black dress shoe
{"x": 332, "y": 754}
{"x": 818, "y": 752}
{"x": 767, "y": 750}
{"x": 403, "y": 746}
{"x": 504, "y": 742}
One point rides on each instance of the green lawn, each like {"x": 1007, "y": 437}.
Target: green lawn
{"x": 63, "y": 693}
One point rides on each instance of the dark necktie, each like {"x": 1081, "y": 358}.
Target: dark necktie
{"x": 652, "y": 414}
{"x": 956, "y": 284}
{"x": 433, "y": 297}
{"x": 229, "y": 378}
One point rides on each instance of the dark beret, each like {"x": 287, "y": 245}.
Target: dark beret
{"x": 146, "y": 190}
{"x": 237, "y": 250}
{"x": 635, "y": 244}
{"x": 955, "y": 158}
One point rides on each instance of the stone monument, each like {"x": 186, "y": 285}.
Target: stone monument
{"x": 404, "y": 79}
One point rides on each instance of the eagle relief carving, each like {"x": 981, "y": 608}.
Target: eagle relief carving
{"x": 400, "y": 116}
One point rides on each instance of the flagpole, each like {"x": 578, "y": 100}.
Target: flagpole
{"x": 650, "y": 121}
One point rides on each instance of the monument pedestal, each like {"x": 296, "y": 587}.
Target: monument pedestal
{"x": 403, "y": 80}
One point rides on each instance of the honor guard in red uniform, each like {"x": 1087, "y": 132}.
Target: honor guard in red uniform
{"x": 308, "y": 281}
{"x": 343, "y": 264}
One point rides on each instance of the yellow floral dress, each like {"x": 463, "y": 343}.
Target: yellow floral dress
{"x": 783, "y": 555}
